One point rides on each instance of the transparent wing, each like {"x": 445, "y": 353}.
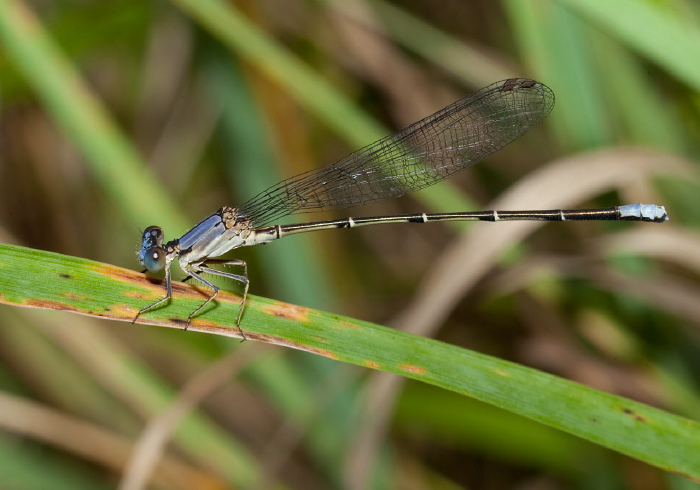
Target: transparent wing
{"x": 418, "y": 156}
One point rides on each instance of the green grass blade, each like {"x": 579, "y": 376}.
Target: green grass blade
{"x": 450, "y": 53}
{"x": 667, "y": 40}
{"x": 19, "y": 469}
{"x": 312, "y": 91}
{"x": 35, "y": 278}
{"x": 236, "y": 32}
{"x": 113, "y": 160}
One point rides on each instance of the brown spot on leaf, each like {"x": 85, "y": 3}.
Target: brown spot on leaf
{"x": 287, "y": 311}
{"x": 51, "y": 305}
{"x": 634, "y": 415}
{"x": 75, "y": 297}
{"x": 133, "y": 294}
{"x": 412, "y": 368}
{"x": 118, "y": 273}
{"x": 322, "y": 352}
{"x": 123, "y": 310}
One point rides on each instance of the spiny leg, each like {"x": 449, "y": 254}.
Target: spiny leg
{"x": 168, "y": 295}
{"x": 215, "y": 288}
{"x": 240, "y": 278}
{"x": 196, "y": 270}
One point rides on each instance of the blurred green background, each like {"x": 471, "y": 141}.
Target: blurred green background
{"x": 119, "y": 114}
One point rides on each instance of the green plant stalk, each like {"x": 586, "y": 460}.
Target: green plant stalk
{"x": 242, "y": 37}
{"x": 466, "y": 63}
{"x": 75, "y": 109}
{"x": 34, "y": 278}
{"x": 674, "y": 42}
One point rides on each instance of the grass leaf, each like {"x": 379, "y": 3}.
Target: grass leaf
{"x": 40, "y": 279}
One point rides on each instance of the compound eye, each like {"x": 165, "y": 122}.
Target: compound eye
{"x": 154, "y": 259}
{"x": 153, "y": 236}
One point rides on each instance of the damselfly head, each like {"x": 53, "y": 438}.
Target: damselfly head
{"x": 152, "y": 237}
{"x": 152, "y": 255}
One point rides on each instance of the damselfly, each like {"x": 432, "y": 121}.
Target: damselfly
{"x": 418, "y": 156}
